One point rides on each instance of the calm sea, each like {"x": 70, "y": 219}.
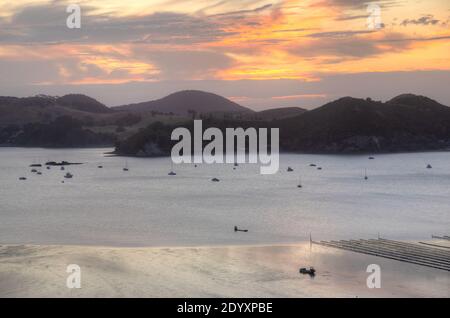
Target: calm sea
{"x": 146, "y": 207}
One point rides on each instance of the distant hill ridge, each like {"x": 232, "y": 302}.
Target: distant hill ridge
{"x": 184, "y": 102}
{"x": 407, "y": 122}
{"x": 82, "y": 103}
{"x": 280, "y": 113}
{"x": 74, "y": 101}
{"x": 17, "y": 110}
{"x": 416, "y": 100}
{"x": 44, "y": 109}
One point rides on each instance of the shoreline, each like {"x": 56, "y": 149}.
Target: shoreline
{"x": 244, "y": 245}
{"x": 219, "y": 271}
{"x": 343, "y": 154}
{"x": 114, "y": 153}
{"x": 196, "y": 246}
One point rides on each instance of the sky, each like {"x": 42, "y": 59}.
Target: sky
{"x": 259, "y": 53}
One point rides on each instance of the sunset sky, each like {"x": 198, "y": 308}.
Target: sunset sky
{"x": 259, "y": 53}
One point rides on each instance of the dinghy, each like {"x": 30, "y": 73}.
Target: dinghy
{"x": 311, "y": 271}
{"x": 236, "y": 229}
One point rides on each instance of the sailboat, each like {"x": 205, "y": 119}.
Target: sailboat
{"x": 172, "y": 173}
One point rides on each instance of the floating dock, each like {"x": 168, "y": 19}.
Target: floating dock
{"x": 413, "y": 253}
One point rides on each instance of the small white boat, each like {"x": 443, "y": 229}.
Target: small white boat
{"x": 172, "y": 173}
{"x": 68, "y": 175}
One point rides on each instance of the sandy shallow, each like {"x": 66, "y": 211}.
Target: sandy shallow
{"x": 232, "y": 271}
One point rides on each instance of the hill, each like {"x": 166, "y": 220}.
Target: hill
{"x": 44, "y": 109}
{"x": 82, "y": 103}
{"x": 187, "y": 102}
{"x": 30, "y": 121}
{"x": 405, "y": 123}
{"x": 280, "y": 113}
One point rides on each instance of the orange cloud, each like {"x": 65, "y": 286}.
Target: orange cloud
{"x": 252, "y": 40}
